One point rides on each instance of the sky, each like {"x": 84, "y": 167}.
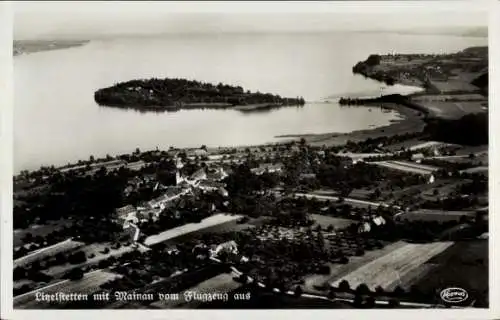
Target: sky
{"x": 88, "y": 20}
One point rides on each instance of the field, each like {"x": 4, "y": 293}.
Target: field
{"x": 406, "y": 167}
{"x": 95, "y": 249}
{"x": 463, "y": 265}
{"x": 434, "y": 215}
{"x": 39, "y": 230}
{"x": 337, "y": 223}
{"x": 337, "y": 271}
{"x": 454, "y": 97}
{"x": 451, "y": 85}
{"x": 40, "y": 254}
{"x": 88, "y": 284}
{"x": 388, "y": 270}
{"x": 454, "y": 110}
{"x": 481, "y": 169}
{"x": 190, "y": 227}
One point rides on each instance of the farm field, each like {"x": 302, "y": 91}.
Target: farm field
{"x": 337, "y": 271}
{"x": 455, "y": 110}
{"x": 403, "y": 166}
{"x": 337, "y": 223}
{"x": 50, "y": 251}
{"x": 434, "y": 215}
{"x": 190, "y": 227}
{"x": 456, "y": 97}
{"x": 95, "y": 249}
{"x": 444, "y": 186}
{"x": 388, "y": 270}
{"x": 463, "y": 265}
{"x": 39, "y": 230}
{"x": 451, "y": 85}
{"x": 480, "y": 169}
{"x": 88, "y": 284}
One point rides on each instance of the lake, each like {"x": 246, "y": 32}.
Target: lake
{"x": 56, "y": 120}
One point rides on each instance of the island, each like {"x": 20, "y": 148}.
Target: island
{"x": 172, "y": 94}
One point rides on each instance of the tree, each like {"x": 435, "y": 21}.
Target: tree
{"x": 75, "y": 274}
{"x": 19, "y": 273}
{"x": 370, "y": 302}
{"x": 398, "y": 291}
{"x": 379, "y": 290}
{"x": 331, "y": 293}
{"x": 344, "y": 286}
{"x": 298, "y": 291}
{"x": 362, "y": 289}
{"x": 394, "y": 303}
{"x": 358, "y": 301}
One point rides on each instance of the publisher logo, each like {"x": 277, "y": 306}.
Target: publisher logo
{"x": 454, "y": 295}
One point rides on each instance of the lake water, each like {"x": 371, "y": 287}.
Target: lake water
{"x": 56, "y": 120}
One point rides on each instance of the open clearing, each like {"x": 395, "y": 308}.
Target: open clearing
{"x": 451, "y": 85}
{"x": 454, "y": 97}
{"x": 190, "y": 227}
{"x": 434, "y": 215}
{"x": 455, "y": 110}
{"x": 88, "y": 284}
{"x": 388, "y": 270}
{"x": 406, "y": 167}
{"x": 337, "y": 223}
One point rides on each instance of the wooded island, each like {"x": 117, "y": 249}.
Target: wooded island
{"x": 175, "y": 94}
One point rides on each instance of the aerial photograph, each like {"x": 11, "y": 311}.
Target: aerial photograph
{"x": 275, "y": 159}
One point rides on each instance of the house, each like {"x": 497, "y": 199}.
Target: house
{"x": 228, "y": 247}
{"x": 364, "y": 227}
{"x": 138, "y": 165}
{"x": 223, "y": 192}
{"x": 126, "y": 215}
{"x": 417, "y": 157}
{"x": 306, "y": 176}
{"x": 208, "y": 185}
{"x": 151, "y": 213}
{"x": 198, "y": 175}
{"x": 217, "y": 174}
{"x": 267, "y": 167}
{"x": 197, "y": 153}
{"x": 431, "y": 179}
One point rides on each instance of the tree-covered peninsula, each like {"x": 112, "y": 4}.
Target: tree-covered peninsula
{"x": 175, "y": 94}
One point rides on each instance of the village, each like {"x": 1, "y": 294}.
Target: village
{"x": 340, "y": 209}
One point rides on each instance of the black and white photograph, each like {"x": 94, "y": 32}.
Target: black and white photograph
{"x": 167, "y": 156}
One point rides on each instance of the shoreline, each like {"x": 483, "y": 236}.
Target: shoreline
{"x": 410, "y": 121}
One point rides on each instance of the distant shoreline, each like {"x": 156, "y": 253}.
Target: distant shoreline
{"x": 21, "y": 47}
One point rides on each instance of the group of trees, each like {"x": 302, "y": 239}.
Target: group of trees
{"x": 176, "y": 92}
